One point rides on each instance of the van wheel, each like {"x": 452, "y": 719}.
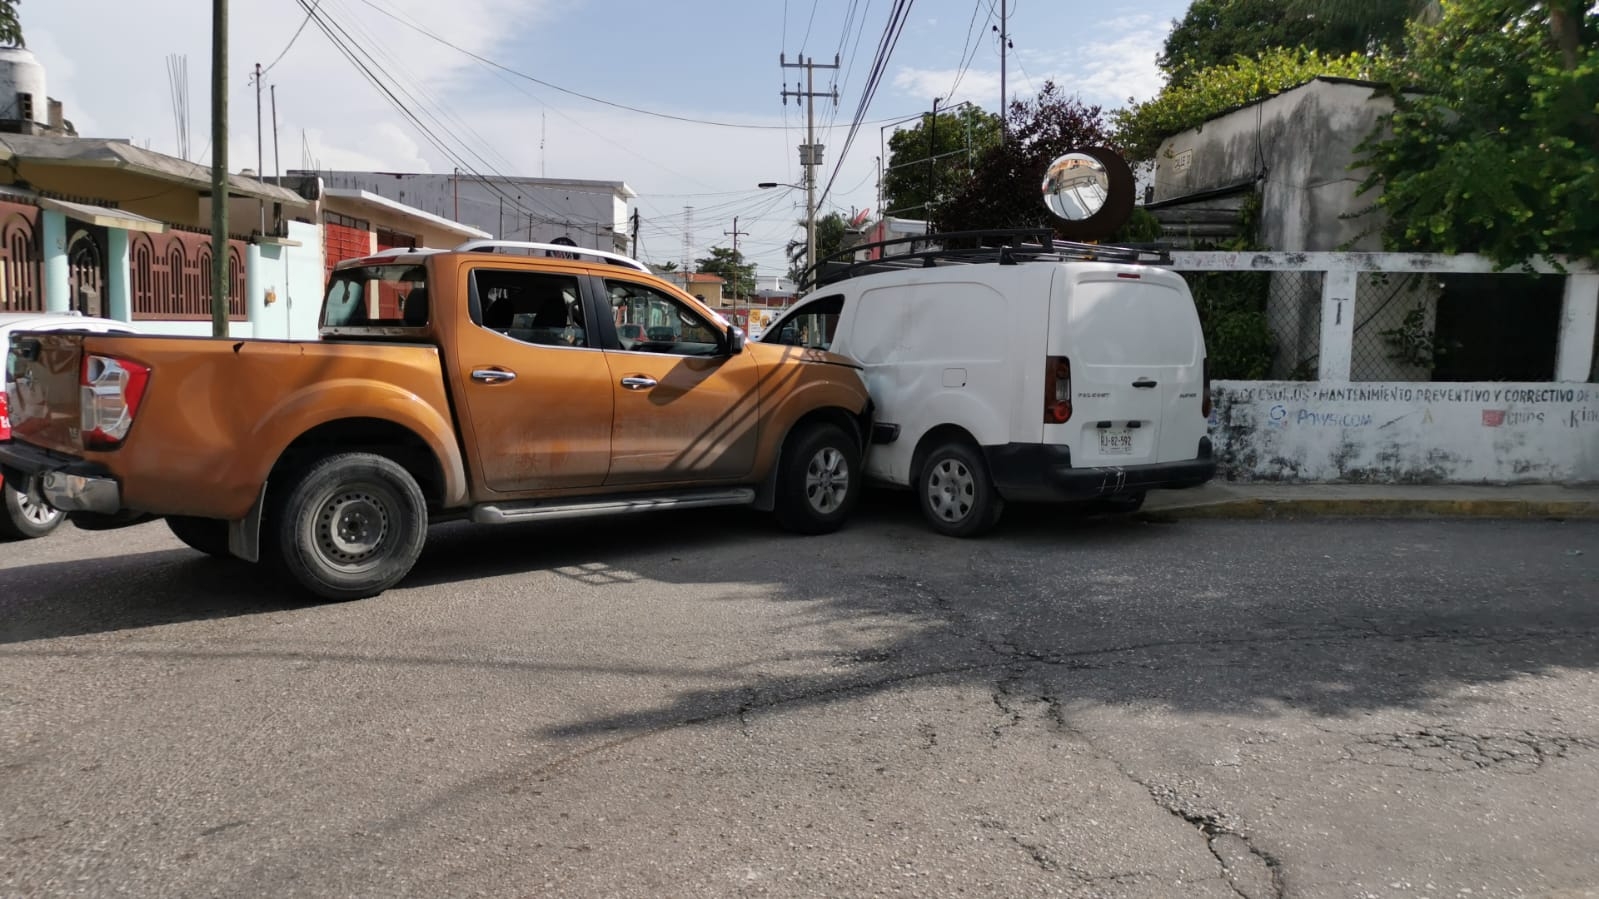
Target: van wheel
{"x": 958, "y": 497}
{"x": 819, "y": 480}
{"x": 22, "y": 518}
{"x": 351, "y": 526}
{"x": 208, "y": 535}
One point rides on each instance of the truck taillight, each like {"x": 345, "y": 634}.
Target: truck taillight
{"x": 1204, "y": 404}
{"x": 112, "y": 390}
{"x": 1057, "y": 390}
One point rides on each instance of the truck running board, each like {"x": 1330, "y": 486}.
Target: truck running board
{"x": 551, "y": 510}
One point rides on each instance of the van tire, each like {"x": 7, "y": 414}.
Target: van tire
{"x": 208, "y": 535}
{"x": 818, "y": 479}
{"x": 957, "y": 496}
{"x": 350, "y": 526}
{"x": 24, "y": 519}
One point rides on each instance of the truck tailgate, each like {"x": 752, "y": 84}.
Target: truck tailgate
{"x": 215, "y": 413}
{"x": 46, "y": 371}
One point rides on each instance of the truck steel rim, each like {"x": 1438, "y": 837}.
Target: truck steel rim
{"x": 951, "y": 490}
{"x": 827, "y": 481}
{"x": 39, "y": 514}
{"x": 352, "y": 527}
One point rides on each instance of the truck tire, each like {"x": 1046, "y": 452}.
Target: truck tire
{"x": 818, "y": 479}
{"x": 350, "y": 526}
{"x": 22, "y": 518}
{"x": 208, "y": 535}
{"x": 957, "y": 496}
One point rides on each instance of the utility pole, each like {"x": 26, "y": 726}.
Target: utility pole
{"x": 1004, "y": 45}
{"x": 276, "y": 172}
{"x": 735, "y": 233}
{"x": 260, "y": 155}
{"x": 810, "y": 151}
{"x": 219, "y": 168}
{"x": 932, "y": 164}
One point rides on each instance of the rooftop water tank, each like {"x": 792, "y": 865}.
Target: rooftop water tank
{"x": 22, "y": 87}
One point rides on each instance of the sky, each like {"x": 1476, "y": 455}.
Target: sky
{"x": 681, "y": 101}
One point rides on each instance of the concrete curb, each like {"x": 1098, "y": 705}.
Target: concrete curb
{"x": 1382, "y": 508}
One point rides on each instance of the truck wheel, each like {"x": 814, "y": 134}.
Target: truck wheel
{"x": 957, "y": 496}
{"x": 23, "y": 518}
{"x": 208, "y": 535}
{"x": 351, "y": 526}
{"x": 819, "y": 480}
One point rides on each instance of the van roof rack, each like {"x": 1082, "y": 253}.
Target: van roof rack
{"x": 489, "y": 246}
{"x": 1005, "y": 246}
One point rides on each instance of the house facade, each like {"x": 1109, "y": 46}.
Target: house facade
{"x": 589, "y": 214}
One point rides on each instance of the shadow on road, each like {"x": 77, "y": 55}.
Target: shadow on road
{"x": 64, "y": 599}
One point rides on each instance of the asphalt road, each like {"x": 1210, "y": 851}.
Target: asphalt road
{"x": 699, "y": 705}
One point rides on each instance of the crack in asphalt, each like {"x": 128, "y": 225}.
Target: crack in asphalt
{"x": 1445, "y": 749}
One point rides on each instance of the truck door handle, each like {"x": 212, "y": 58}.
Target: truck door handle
{"x": 1143, "y": 383}
{"x": 493, "y": 375}
{"x": 638, "y": 382}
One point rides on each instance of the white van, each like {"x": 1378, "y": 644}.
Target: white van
{"x": 1039, "y": 377}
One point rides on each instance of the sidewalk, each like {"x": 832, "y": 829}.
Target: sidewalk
{"x": 1222, "y": 499}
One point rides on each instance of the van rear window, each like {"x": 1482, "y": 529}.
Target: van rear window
{"x": 377, "y": 296}
{"x": 1125, "y": 322}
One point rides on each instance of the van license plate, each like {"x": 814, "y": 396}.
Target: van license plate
{"x": 1116, "y": 442}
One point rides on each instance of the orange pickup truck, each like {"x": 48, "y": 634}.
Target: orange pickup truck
{"x": 496, "y": 382}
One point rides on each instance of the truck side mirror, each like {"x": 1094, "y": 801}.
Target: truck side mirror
{"x": 735, "y": 340}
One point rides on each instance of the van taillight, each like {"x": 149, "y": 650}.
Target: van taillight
{"x": 111, "y": 390}
{"x": 1057, "y": 390}
{"x": 1204, "y": 404}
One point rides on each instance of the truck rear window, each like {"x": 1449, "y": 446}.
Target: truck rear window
{"x": 378, "y": 296}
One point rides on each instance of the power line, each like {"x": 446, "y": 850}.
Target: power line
{"x": 290, "y": 44}
{"x": 885, "y": 49}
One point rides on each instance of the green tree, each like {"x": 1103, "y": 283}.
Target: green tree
{"x": 1140, "y": 127}
{"x": 1498, "y": 152}
{"x": 935, "y": 154}
{"x": 832, "y": 236}
{"x": 1219, "y": 32}
{"x": 1005, "y": 188}
{"x": 730, "y": 265}
{"x": 10, "y": 25}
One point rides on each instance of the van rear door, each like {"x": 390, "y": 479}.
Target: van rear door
{"x": 1135, "y": 353}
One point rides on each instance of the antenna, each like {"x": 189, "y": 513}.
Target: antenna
{"x": 178, "y": 93}
{"x": 543, "y": 128}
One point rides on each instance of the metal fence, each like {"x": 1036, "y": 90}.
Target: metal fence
{"x": 1390, "y": 317}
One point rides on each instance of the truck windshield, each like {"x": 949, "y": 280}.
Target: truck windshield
{"x": 385, "y": 296}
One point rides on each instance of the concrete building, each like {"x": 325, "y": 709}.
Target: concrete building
{"x": 588, "y": 213}
{"x": 1292, "y": 151}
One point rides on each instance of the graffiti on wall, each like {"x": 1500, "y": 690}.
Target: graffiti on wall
{"x": 1407, "y": 433}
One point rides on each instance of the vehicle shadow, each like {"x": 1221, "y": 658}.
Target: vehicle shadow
{"x": 116, "y": 593}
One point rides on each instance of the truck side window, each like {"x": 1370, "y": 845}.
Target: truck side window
{"x": 533, "y": 307}
{"x": 650, "y": 321}
{"x": 812, "y": 325}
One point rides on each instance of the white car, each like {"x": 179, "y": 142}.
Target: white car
{"x": 21, "y": 516}
{"x": 1050, "y": 375}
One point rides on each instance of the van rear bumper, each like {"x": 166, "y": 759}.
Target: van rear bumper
{"x": 1033, "y": 472}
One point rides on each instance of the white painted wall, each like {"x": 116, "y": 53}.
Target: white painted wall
{"x": 591, "y": 213}
{"x": 1407, "y": 433}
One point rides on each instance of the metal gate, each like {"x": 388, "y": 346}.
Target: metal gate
{"x": 86, "y": 270}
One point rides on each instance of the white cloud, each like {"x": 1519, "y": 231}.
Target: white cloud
{"x": 972, "y": 85}
{"x": 106, "y": 61}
